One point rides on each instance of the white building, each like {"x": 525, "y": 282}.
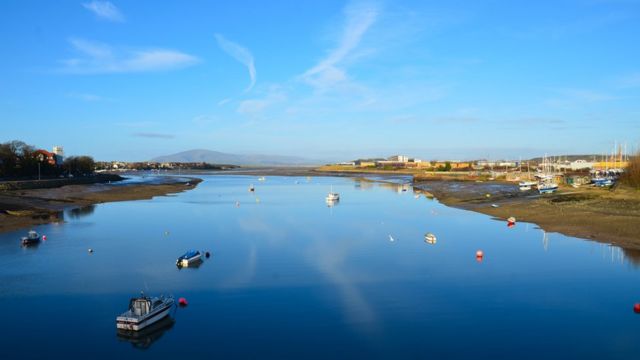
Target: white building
{"x": 580, "y": 164}
{"x": 399, "y": 158}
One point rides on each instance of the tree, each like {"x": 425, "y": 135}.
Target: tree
{"x": 79, "y": 165}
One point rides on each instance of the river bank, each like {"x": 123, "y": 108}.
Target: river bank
{"x": 29, "y": 207}
{"x": 611, "y": 216}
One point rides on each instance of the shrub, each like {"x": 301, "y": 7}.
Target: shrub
{"x": 631, "y": 176}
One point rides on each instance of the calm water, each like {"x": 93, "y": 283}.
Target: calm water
{"x": 293, "y": 278}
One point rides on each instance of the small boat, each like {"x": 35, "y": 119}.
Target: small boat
{"x": 511, "y": 220}
{"x": 144, "y": 311}
{"x": 429, "y": 238}
{"x": 547, "y": 187}
{"x": 333, "y": 196}
{"x": 190, "y": 257}
{"x": 31, "y": 238}
{"x": 262, "y": 178}
{"x": 495, "y": 205}
{"x": 526, "y": 185}
{"x": 602, "y": 182}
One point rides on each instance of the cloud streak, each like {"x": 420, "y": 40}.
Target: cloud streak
{"x": 358, "y": 19}
{"x": 88, "y": 97}
{"x": 104, "y": 10}
{"x": 152, "y": 135}
{"x": 241, "y": 54}
{"x": 96, "y": 58}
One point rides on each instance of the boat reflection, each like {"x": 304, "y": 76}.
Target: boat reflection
{"x": 144, "y": 338}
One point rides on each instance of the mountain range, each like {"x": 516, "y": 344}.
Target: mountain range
{"x": 216, "y": 157}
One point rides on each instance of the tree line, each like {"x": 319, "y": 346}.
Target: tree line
{"x": 20, "y": 160}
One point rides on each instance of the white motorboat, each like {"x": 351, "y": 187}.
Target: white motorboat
{"x": 31, "y": 238}
{"x": 547, "y": 187}
{"x": 333, "y": 196}
{"x": 526, "y": 185}
{"x": 429, "y": 238}
{"x": 144, "y": 311}
{"x": 262, "y": 178}
{"x": 189, "y": 258}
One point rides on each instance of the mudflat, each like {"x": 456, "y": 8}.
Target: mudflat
{"x": 606, "y": 215}
{"x": 23, "y": 208}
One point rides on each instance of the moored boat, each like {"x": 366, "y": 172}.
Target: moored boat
{"x": 526, "y": 185}
{"x": 189, "y": 258}
{"x": 547, "y": 187}
{"x": 333, "y": 196}
{"x": 32, "y": 238}
{"x": 144, "y": 311}
{"x": 429, "y": 238}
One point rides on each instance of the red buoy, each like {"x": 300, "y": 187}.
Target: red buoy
{"x": 479, "y": 254}
{"x": 510, "y": 225}
{"x": 44, "y": 237}
{"x": 636, "y": 308}
{"x": 183, "y": 302}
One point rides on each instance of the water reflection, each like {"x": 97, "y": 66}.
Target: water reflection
{"x": 80, "y": 212}
{"x": 633, "y": 255}
{"x": 144, "y": 338}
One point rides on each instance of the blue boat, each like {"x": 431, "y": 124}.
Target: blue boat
{"x": 190, "y": 257}
{"x": 31, "y": 238}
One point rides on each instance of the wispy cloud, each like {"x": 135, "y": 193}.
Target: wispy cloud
{"x": 224, "y": 102}
{"x": 153, "y": 135}
{"x": 241, "y": 54}
{"x": 572, "y": 97}
{"x": 105, "y": 10}
{"x": 99, "y": 58}
{"x": 88, "y": 97}
{"x": 328, "y": 72}
{"x": 255, "y": 107}
{"x": 629, "y": 81}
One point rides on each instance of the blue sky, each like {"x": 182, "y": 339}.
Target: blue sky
{"x": 130, "y": 80}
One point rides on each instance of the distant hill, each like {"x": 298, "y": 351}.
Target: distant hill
{"x": 216, "y": 157}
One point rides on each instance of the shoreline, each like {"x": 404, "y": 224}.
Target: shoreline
{"x": 30, "y": 207}
{"x": 603, "y": 215}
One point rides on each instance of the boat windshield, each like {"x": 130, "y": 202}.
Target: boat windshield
{"x": 140, "y": 307}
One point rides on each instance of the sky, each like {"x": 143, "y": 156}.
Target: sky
{"x": 330, "y": 80}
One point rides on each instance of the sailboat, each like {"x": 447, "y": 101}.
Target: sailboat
{"x": 527, "y": 184}
{"x": 546, "y": 184}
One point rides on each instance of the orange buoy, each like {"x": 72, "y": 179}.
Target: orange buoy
{"x": 636, "y": 308}
{"x": 479, "y": 254}
{"x": 183, "y": 302}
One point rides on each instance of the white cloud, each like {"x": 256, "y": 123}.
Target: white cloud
{"x": 105, "y": 10}
{"x": 327, "y": 73}
{"x": 629, "y": 81}
{"x": 241, "y": 54}
{"x": 255, "y": 107}
{"x": 100, "y": 58}
{"x": 224, "y": 101}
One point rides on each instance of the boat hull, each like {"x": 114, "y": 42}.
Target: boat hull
{"x": 134, "y": 324}
{"x": 190, "y": 261}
